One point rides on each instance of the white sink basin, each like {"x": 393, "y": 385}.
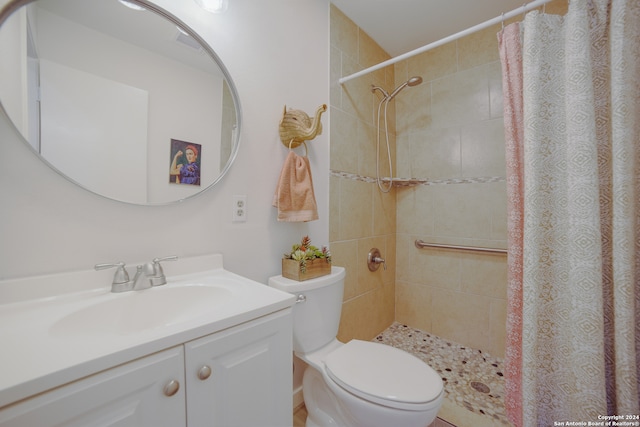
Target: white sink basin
{"x": 135, "y": 311}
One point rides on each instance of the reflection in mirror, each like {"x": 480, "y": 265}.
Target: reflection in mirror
{"x": 102, "y": 93}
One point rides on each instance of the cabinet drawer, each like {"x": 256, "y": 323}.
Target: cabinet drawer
{"x": 130, "y": 395}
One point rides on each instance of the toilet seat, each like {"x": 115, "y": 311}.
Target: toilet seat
{"x": 384, "y": 375}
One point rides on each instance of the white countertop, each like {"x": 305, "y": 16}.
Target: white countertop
{"x": 39, "y": 354}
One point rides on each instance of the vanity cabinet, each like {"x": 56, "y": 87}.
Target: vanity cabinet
{"x": 128, "y": 395}
{"x": 240, "y": 377}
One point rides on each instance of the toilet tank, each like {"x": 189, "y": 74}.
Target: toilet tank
{"x": 316, "y": 314}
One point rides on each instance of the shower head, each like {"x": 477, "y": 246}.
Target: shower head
{"x": 413, "y": 81}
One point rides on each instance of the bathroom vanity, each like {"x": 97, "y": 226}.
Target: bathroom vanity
{"x": 210, "y": 348}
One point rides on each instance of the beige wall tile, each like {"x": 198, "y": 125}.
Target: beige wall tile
{"x": 413, "y": 108}
{"x": 356, "y": 219}
{"x": 460, "y": 98}
{"x": 413, "y": 305}
{"x": 344, "y": 33}
{"x": 434, "y": 153}
{"x": 384, "y": 213}
{"x": 497, "y": 327}
{"x": 434, "y": 63}
{"x": 369, "y": 280}
{"x": 365, "y": 316}
{"x": 369, "y": 52}
{"x": 433, "y": 267}
{"x": 445, "y": 108}
{"x": 345, "y": 254}
{"x": 497, "y": 194}
{"x": 556, "y": 7}
{"x": 403, "y": 156}
{"x": 483, "y": 149}
{"x": 461, "y": 210}
{"x": 343, "y": 133}
{"x": 366, "y": 217}
{"x": 334, "y": 208}
{"x": 472, "y": 94}
{"x": 335, "y": 70}
{"x": 365, "y": 145}
{"x": 484, "y": 274}
{"x": 478, "y": 48}
{"x": 415, "y": 210}
{"x": 496, "y": 105}
{"x": 389, "y": 254}
{"x": 401, "y": 73}
{"x": 462, "y": 319}
{"x": 357, "y": 98}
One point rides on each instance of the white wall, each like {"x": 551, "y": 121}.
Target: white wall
{"x": 277, "y": 53}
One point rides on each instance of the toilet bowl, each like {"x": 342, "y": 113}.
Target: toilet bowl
{"x": 358, "y": 383}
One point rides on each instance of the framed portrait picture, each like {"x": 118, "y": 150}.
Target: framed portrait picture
{"x": 185, "y": 162}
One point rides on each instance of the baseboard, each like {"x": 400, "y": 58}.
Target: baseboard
{"x": 298, "y": 398}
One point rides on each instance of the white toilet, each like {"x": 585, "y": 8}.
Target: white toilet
{"x": 360, "y": 383}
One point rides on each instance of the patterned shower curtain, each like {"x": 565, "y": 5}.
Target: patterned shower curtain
{"x": 511, "y": 59}
{"x": 573, "y": 181}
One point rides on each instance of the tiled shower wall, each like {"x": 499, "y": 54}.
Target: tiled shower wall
{"x": 450, "y": 133}
{"x": 361, "y": 217}
{"x": 447, "y": 134}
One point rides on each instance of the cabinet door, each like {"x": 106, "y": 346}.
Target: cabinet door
{"x": 250, "y": 381}
{"x": 130, "y": 395}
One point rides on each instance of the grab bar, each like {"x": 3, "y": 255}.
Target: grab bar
{"x": 420, "y": 244}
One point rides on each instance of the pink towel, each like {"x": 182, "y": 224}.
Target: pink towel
{"x": 294, "y": 196}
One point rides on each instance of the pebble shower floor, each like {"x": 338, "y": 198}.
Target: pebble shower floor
{"x": 472, "y": 379}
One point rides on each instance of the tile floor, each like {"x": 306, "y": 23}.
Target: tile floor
{"x": 300, "y": 417}
{"x": 473, "y": 380}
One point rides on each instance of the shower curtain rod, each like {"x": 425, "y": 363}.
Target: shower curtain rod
{"x": 523, "y": 9}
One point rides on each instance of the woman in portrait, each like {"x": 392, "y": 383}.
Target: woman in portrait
{"x": 189, "y": 172}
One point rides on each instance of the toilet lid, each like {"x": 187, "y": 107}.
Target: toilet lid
{"x": 383, "y": 374}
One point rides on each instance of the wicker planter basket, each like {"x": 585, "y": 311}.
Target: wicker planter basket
{"x": 315, "y": 268}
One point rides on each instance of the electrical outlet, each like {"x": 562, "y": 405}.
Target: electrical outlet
{"x": 239, "y": 209}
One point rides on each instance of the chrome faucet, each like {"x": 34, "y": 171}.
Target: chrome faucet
{"x": 141, "y": 280}
{"x": 147, "y": 275}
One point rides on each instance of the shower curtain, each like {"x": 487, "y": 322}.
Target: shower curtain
{"x": 571, "y": 88}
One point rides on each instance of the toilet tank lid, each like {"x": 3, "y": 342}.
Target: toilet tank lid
{"x": 383, "y": 374}
{"x": 293, "y": 286}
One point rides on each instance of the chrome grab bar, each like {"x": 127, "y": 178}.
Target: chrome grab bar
{"x": 420, "y": 244}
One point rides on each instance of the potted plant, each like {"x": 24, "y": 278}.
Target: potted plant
{"x": 306, "y": 261}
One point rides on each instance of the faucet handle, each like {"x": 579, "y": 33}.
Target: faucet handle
{"x": 167, "y": 258}
{"x": 158, "y": 277}
{"x": 121, "y": 276}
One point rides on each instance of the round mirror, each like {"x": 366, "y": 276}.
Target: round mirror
{"x": 118, "y": 96}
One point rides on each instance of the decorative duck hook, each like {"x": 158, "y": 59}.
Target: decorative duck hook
{"x": 296, "y": 126}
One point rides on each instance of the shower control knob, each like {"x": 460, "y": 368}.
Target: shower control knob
{"x": 204, "y": 373}
{"x": 374, "y": 260}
